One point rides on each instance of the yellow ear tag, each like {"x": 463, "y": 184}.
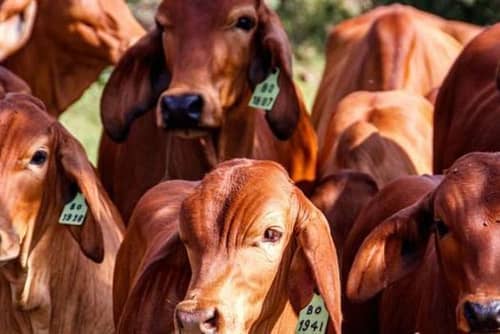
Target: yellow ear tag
{"x": 74, "y": 212}
{"x": 266, "y": 93}
{"x": 313, "y": 318}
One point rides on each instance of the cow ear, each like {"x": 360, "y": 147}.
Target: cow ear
{"x": 80, "y": 175}
{"x": 315, "y": 264}
{"x": 392, "y": 250}
{"x": 165, "y": 273}
{"x": 272, "y": 51}
{"x": 135, "y": 85}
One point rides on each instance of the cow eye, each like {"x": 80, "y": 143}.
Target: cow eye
{"x": 39, "y": 158}
{"x": 272, "y": 235}
{"x": 245, "y": 23}
{"x": 441, "y": 228}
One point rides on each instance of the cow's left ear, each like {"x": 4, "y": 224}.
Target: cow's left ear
{"x": 315, "y": 265}
{"x": 80, "y": 175}
{"x": 273, "y": 50}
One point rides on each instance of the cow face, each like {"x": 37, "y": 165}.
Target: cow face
{"x": 199, "y": 66}
{"x": 16, "y": 22}
{"x": 41, "y": 168}
{"x": 461, "y": 218}
{"x": 253, "y": 241}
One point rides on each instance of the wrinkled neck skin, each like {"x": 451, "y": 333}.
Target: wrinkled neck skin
{"x": 53, "y": 288}
{"x": 54, "y": 77}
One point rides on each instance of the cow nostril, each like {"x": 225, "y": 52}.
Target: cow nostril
{"x": 210, "y": 324}
{"x": 483, "y": 316}
{"x": 204, "y": 320}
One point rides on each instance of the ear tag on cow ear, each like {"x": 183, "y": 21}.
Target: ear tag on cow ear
{"x": 265, "y": 94}
{"x": 313, "y": 319}
{"x": 74, "y": 212}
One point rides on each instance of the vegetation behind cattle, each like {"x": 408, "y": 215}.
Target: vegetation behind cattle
{"x": 307, "y": 23}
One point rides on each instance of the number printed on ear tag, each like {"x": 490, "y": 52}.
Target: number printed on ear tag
{"x": 266, "y": 93}
{"x": 74, "y": 212}
{"x": 313, "y": 318}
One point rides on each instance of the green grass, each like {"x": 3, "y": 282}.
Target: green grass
{"x": 83, "y": 120}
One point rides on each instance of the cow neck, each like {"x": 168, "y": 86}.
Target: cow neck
{"x": 56, "y": 78}
{"x": 237, "y": 133}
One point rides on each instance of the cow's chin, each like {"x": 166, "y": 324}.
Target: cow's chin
{"x": 193, "y": 133}
{"x": 16, "y": 30}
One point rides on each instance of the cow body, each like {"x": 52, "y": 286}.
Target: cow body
{"x": 72, "y": 47}
{"x": 388, "y": 48}
{"x": 383, "y": 134}
{"x": 221, "y": 221}
{"x": 467, "y": 106}
{"x": 54, "y": 278}
{"x": 429, "y": 250}
{"x": 173, "y": 125}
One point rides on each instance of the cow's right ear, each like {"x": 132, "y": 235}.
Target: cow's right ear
{"x": 392, "y": 250}
{"x": 135, "y": 85}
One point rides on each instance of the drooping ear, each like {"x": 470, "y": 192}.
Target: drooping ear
{"x": 272, "y": 50}
{"x": 392, "y": 250}
{"x": 315, "y": 264}
{"x": 81, "y": 176}
{"x": 134, "y": 86}
{"x": 163, "y": 276}
{"x": 13, "y": 33}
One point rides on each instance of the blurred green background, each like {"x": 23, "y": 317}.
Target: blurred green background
{"x": 307, "y": 23}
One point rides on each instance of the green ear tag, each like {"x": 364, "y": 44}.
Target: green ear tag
{"x": 74, "y": 212}
{"x": 313, "y": 318}
{"x": 266, "y": 93}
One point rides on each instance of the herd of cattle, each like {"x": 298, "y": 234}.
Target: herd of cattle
{"x": 206, "y": 215}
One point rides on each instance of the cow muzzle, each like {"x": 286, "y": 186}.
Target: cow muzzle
{"x": 181, "y": 111}
{"x": 483, "y": 316}
{"x": 9, "y": 246}
{"x": 190, "y": 319}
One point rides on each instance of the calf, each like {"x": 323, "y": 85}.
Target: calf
{"x": 179, "y": 99}
{"x": 54, "y": 278}
{"x": 239, "y": 252}
{"x": 71, "y": 43}
{"x": 434, "y": 259}
{"x": 391, "y": 47}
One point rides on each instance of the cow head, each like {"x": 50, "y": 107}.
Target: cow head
{"x": 253, "y": 242}
{"x": 16, "y": 22}
{"x": 461, "y": 218}
{"x": 198, "y": 68}
{"x": 79, "y": 39}
{"x": 41, "y": 168}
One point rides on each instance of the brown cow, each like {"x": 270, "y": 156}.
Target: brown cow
{"x": 239, "y": 252}
{"x": 393, "y": 47}
{"x": 72, "y": 42}
{"x": 194, "y": 75}
{"x": 436, "y": 262}
{"x": 53, "y": 278}
{"x": 468, "y": 103}
{"x": 16, "y": 23}
{"x": 383, "y": 134}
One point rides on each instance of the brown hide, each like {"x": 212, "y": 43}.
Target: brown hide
{"x": 71, "y": 43}
{"x": 468, "y": 103}
{"x": 392, "y": 47}
{"x": 383, "y": 134}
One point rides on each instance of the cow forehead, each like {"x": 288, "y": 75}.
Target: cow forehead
{"x": 19, "y": 126}
{"x": 230, "y": 201}
{"x": 471, "y": 188}
{"x": 204, "y": 10}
